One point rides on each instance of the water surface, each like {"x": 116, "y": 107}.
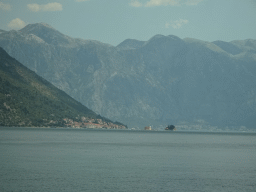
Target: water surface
{"x": 108, "y": 160}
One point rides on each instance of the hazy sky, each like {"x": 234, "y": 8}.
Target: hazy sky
{"x": 113, "y": 21}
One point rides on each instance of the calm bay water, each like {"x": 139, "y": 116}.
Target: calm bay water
{"x": 108, "y": 160}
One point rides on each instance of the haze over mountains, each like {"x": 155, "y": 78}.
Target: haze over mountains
{"x": 165, "y": 80}
{"x": 28, "y": 100}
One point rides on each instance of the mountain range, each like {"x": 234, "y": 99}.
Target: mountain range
{"x": 165, "y": 80}
{"x": 28, "y": 100}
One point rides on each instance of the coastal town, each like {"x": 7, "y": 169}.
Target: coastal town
{"x": 92, "y": 123}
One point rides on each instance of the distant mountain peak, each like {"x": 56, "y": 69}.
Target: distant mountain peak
{"x": 174, "y": 37}
{"x": 47, "y": 33}
{"x": 130, "y": 44}
{"x": 40, "y": 28}
{"x": 45, "y": 25}
{"x": 159, "y": 36}
{"x": 135, "y": 44}
{"x": 162, "y": 39}
{"x": 31, "y": 27}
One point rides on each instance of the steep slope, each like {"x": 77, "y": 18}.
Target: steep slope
{"x": 161, "y": 81}
{"x": 28, "y": 100}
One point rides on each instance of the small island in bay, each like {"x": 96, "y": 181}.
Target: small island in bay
{"x": 171, "y": 128}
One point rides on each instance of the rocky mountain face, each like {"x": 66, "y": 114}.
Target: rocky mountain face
{"x": 165, "y": 80}
{"x": 29, "y": 100}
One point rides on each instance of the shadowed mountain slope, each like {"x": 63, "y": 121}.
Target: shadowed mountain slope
{"x": 28, "y": 100}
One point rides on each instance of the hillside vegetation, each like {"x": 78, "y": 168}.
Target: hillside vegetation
{"x": 29, "y": 100}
